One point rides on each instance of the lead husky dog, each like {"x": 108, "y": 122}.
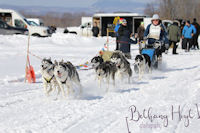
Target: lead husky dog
{"x": 97, "y": 60}
{"x": 66, "y": 74}
{"x": 106, "y": 70}
{"x": 47, "y": 71}
{"x": 142, "y": 64}
{"x": 122, "y": 64}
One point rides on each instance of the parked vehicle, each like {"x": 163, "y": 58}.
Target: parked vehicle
{"x": 71, "y": 32}
{"x": 51, "y": 29}
{"x": 5, "y": 29}
{"x": 33, "y": 23}
{"x": 15, "y": 19}
{"x": 36, "y": 20}
{"x": 86, "y": 26}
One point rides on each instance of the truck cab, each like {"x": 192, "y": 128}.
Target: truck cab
{"x": 36, "y": 20}
{"x": 6, "y": 29}
{"x": 15, "y": 19}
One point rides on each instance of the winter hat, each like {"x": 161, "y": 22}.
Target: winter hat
{"x": 155, "y": 17}
{"x": 124, "y": 21}
{"x": 175, "y": 23}
{"x": 188, "y": 21}
{"x": 120, "y": 20}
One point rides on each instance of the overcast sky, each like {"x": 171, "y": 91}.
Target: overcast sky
{"x": 60, "y": 3}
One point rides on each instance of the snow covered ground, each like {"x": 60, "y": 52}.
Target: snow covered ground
{"x": 24, "y": 108}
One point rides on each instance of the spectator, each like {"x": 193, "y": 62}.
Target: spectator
{"x": 187, "y": 34}
{"x": 195, "y": 37}
{"x": 95, "y": 30}
{"x": 140, "y": 31}
{"x": 124, "y": 39}
{"x": 182, "y": 26}
{"x": 174, "y": 33}
{"x": 116, "y": 32}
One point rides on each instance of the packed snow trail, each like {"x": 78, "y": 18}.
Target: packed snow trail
{"x": 24, "y": 107}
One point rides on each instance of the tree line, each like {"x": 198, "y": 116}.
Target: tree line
{"x": 174, "y": 9}
{"x": 167, "y": 9}
{"x": 58, "y": 19}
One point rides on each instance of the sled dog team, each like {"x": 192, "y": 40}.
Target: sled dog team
{"x": 61, "y": 75}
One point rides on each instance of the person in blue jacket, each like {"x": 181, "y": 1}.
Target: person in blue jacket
{"x": 188, "y": 32}
{"x": 156, "y": 32}
{"x": 116, "y": 33}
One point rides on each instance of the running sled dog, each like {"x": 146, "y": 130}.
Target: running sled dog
{"x": 122, "y": 65}
{"x": 67, "y": 75}
{"x": 142, "y": 64}
{"x": 96, "y": 61}
{"x": 104, "y": 70}
{"x": 48, "y": 78}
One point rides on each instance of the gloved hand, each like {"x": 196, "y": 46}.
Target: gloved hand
{"x": 144, "y": 38}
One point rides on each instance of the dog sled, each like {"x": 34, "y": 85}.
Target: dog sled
{"x": 154, "y": 51}
{"x": 106, "y": 55}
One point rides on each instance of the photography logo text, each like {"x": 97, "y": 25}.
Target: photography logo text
{"x": 154, "y": 119}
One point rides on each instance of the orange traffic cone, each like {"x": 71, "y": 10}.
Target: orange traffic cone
{"x": 30, "y": 74}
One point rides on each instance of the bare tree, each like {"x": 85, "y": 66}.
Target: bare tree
{"x": 58, "y": 19}
{"x": 175, "y": 9}
{"x": 150, "y": 9}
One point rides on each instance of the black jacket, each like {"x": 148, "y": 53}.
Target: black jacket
{"x": 196, "y": 25}
{"x": 95, "y": 30}
{"x": 124, "y": 39}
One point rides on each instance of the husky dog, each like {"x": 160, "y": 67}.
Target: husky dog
{"x": 106, "y": 70}
{"x": 66, "y": 74}
{"x": 122, "y": 64}
{"x": 47, "y": 71}
{"x": 97, "y": 60}
{"x": 142, "y": 64}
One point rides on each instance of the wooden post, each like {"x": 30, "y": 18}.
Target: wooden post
{"x": 27, "y": 60}
{"x": 107, "y": 39}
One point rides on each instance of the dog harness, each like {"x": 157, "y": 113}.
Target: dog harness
{"x": 48, "y": 81}
{"x": 120, "y": 66}
{"x": 64, "y": 82}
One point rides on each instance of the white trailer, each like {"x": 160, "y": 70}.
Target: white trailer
{"x": 147, "y": 21}
{"x": 105, "y": 21}
{"x": 86, "y": 26}
{"x": 86, "y": 21}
